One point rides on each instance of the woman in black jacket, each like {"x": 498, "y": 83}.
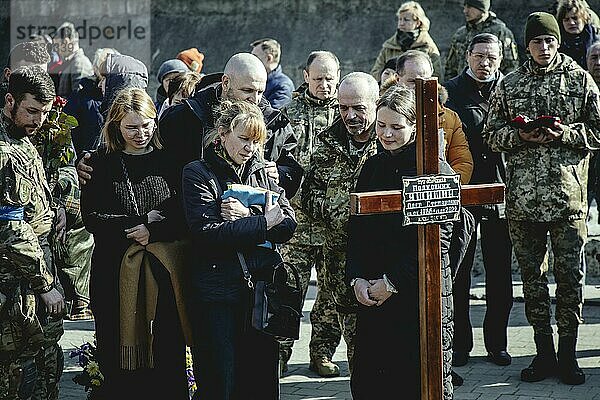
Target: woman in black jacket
{"x": 231, "y": 359}
{"x": 382, "y": 267}
{"x": 130, "y": 202}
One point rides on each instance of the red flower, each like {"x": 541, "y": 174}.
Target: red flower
{"x": 59, "y": 102}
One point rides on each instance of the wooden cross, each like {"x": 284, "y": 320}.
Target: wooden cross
{"x": 430, "y": 298}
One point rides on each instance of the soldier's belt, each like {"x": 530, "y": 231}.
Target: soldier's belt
{"x": 11, "y": 213}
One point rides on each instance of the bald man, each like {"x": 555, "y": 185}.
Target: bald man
{"x": 244, "y": 77}
{"x": 183, "y": 127}
{"x": 338, "y": 157}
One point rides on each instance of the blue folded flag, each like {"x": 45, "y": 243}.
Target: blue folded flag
{"x": 250, "y": 196}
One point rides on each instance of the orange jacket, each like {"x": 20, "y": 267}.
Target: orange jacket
{"x": 458, "y": 154}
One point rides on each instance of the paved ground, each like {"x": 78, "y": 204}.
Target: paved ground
{"x": 483, "y": 380}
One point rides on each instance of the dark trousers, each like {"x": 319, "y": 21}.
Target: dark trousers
{"x": 232, "y": 361}
{"x": 168, "y": 378}
{"x": 386, "y": 357}
{"x": 497, "y": 252}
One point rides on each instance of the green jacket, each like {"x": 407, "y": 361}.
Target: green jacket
{"x": 391, "y": 48}
{"x": 332, "y": 176}
{"x": 456, "y": 60}
{"x": 546, "y": 182}
{"x": 309, "y": 117}
{"x": 23, "y": 184}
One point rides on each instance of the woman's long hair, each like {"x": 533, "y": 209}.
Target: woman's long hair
{"x": 128, "y": 100}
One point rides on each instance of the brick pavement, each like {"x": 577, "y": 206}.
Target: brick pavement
{"x": 483, "y": 380}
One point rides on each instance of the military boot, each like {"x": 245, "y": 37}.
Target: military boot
{"x": 324, "y": 367}
{"x": 544, "y": 364}
{"x": 568, "y": 369}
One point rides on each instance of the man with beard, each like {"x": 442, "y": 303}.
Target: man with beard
{"x": 468, "y": 95}
{"x": 336, "y": 162}
{"x": 27, "y": 276}
{"x": 314, "y": 107}
{"x": 479, "y": 19}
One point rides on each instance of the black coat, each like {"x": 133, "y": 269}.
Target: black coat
{"x": 84, "y": 105}
{"x": 216, "y": 271}
{"x": 184, "y": 126}
{"x": 472, "y": 106}
{"x": 387, "y": 340}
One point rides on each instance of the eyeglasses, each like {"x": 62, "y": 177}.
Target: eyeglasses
{"x": 479, "y": 57}
{"x": 147, "y": 128}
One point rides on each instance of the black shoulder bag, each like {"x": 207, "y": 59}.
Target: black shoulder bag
{"x": 277, "y": 306}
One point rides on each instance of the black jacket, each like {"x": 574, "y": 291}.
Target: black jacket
{"x": 84, "y": 105}
{"x": 472, "y": 106}
{"x": 216, "y": 271}
{"x": 379, "y": 244}
{"x": 183, "y": 127}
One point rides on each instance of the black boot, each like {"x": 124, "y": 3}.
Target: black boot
{"x": 544, "y": 364}
{"x": 568, "y": 369}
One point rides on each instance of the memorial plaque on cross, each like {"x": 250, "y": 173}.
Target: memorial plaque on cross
{"x": 430, "y": 296}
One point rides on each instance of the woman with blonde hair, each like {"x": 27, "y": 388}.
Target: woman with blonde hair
{"x": 132, "y": 208}
{"x": 232, "y": 360}
{"x": 412, "y": 34}
{"x": 576, "y": 30}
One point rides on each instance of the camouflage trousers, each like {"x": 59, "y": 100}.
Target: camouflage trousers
{"x": 325, "y": 333}
{"x": 17, "y": 379}
{"x": 567, "y": 239}
{"x": 73, "y": 259}
{"x": 50, "y": 359}
{"x": 336, "y": 301}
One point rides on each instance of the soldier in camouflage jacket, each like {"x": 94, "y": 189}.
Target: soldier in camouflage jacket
{"x": 335, "y": 166}
{"x": 480, "y": 20}
{"x": 546, "y": 179}
{"x": 313, "y": 109}
{"x": 27, "y": 279}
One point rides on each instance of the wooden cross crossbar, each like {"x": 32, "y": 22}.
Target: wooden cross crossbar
{"x": 390, "y": 201}
{"x": 430, "y": 296}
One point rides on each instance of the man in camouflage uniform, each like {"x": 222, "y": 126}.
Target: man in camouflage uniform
{"x": 72, "y": 245}
{"x": 313, "y": 108}
{"x": 28, "y": 287}
{"x": 546, "y": 180}
{"x": 336, "y": 162}
{"x": 479, "y": 19}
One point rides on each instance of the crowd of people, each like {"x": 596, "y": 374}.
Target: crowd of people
{"x": 113, "y": 206}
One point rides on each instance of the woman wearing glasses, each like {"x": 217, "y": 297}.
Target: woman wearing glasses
{"x": 131, "y": 207}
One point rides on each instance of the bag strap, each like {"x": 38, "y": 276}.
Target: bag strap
{"x": 130, "y": 187}
{"x": 245, "y": 271}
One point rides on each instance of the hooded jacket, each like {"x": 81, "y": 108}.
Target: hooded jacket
{"x": 122, "y": 71}
{"x": 392, "y": 48}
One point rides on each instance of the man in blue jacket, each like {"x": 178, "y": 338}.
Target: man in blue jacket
{"x": 279, "y": 86}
